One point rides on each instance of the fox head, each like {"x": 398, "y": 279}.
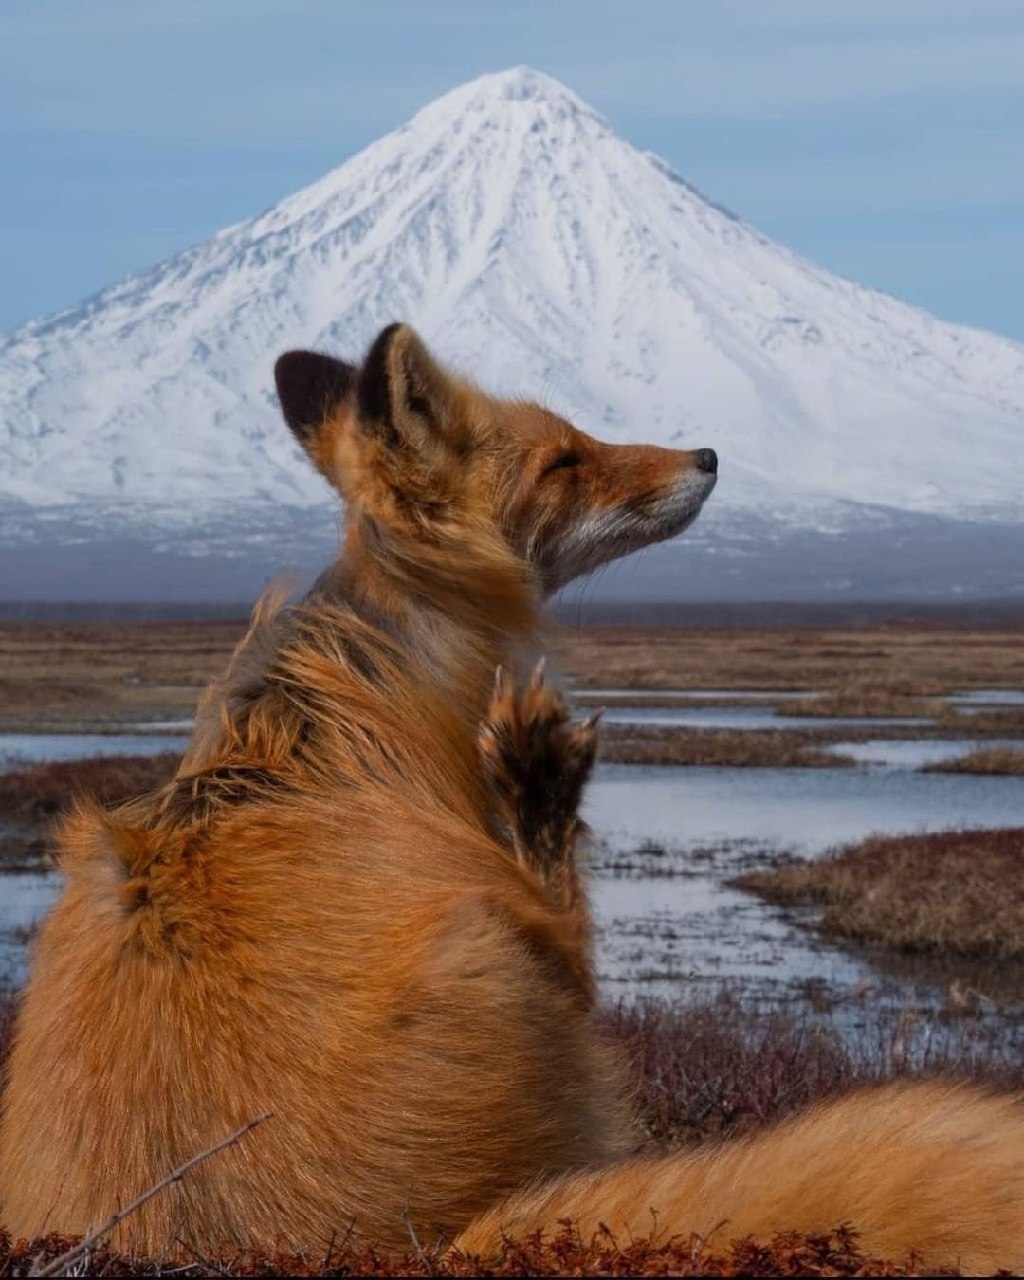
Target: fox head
{"x": 421, "y": 453}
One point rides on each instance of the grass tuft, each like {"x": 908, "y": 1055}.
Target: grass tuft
{"x": 658, "y": 744}
{"x": 958, "y": 893}
{"x": 1000, "y": 761}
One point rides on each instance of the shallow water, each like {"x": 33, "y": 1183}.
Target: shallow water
{"x": 692, "y": 695}
{"x": 35, "y": 748}
{"x": 667, "y": 841}
{"x": 915, "y": 753}
{"x": 25, "y": 897}
{"x": 667, "y": 916}
{"x": 805, "y": 810}
{"x": 989, "y": 698}
{"x": 751, "y": 718}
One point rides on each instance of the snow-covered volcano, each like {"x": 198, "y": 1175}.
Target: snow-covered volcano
{"x": 542, "y": 253}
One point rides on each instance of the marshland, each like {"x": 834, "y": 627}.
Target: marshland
{"x": 807, "y": 859}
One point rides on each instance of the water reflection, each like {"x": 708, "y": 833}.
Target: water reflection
{"x": 669, "y": 839}
{"x": 915, "y": 753}
{"x": 691, "y": 695}
{"x": 36, "y": 748}
{"x": 749, "y": 718}
{"x": 989, "y": 698}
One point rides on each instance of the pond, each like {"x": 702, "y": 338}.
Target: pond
{"x": 915, "y": 753}
{"x": 36, "y": 748}
{"x": 671, "y": 838}
{"x": 749, "y": 718}
{"x": 668, "y": 840}
{"x": 691, "y": 695}
{"x": 989, "y": 698}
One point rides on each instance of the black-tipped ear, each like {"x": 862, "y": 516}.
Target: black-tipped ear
{"x": 403, "y": 392}
{"x": 310, "y": 387}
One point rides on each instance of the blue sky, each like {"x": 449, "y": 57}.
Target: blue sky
{"x": 883, "y": 140}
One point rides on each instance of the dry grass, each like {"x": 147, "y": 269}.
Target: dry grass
{"x": 90, "y": 673}
{"x": 40, "y": 791}
{"x": 727, "y": 1066}
{"x": 1003, "y": 761}
{"x": 993, "y": 722}
{"x": 955, "y": 893}
{"x": 701, "y": 1070}
{"x": 564, "y": 1254}
{"x": 106, "y": 673}
{"x": 31, "y": 797}
{"x": 918, "y": 660}
{"x": 657, "y": 744}
{"x": 868, "y": 695}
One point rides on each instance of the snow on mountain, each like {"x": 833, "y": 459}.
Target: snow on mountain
{"x": 539, "y": 251}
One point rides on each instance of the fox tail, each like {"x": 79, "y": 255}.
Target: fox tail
{"x": 936, "y": 1170}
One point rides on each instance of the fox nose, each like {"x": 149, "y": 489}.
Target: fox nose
{"x": 707, "y": 460}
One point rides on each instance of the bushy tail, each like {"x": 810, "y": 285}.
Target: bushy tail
{"x": 934, "y": 1169}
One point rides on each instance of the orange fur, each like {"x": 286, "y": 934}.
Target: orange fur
{"x": 355, "y": 910}
{"x": 933, "y": 1169}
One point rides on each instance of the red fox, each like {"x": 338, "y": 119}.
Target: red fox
{"x": 359, "y": 905}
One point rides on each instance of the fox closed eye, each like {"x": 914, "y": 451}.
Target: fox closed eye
{"x": 563, "y": 462}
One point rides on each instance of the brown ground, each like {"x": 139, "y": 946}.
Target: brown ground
{"x": 668, "y": 744}
{"x": 1002, "y": 761}
{"x": 867, "y": 696}
{"x": 101, "y": 674}
{"x": 911, "y": 660}
{"x": 951, "y": 893}
{"x": 89, "y": 674}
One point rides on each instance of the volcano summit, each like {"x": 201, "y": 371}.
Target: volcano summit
{"x": 535, "y": 249}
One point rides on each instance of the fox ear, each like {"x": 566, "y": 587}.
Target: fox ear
{"x": 310, "y": 387}
{"x": 403, "y": 393}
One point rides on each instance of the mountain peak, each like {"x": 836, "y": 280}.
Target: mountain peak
{"x": 545, "y": 256}
{"x": 502, "y": 94}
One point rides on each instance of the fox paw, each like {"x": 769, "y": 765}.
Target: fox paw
{"x": 537, "y": 763}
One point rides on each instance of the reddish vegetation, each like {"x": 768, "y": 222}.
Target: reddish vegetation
{"x": 726, "y": 1067}
{"x": 566, "y": 1254}
{"x": 32, "y": 796}
{"x": 700, "y": 1070}
{"x": 39, "y": 792}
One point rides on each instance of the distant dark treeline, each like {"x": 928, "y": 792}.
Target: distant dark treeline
{"x": 591, "y": 613}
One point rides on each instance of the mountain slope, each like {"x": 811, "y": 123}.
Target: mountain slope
{"x": 547, "y": 256}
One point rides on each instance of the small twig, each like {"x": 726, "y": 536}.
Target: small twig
{"x": 60, "y": 1264}
{"x": 424, "y": 1261}
{"x": 330, "y": 1252}
{"x": 208, "y": 1263}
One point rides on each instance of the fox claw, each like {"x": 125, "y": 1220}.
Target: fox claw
{"x": 537, "y": 763}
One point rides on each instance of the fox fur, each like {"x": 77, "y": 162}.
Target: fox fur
{"x": 358, "y": 906}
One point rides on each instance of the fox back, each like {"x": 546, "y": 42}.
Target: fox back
{"x": 319, "y": 917}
